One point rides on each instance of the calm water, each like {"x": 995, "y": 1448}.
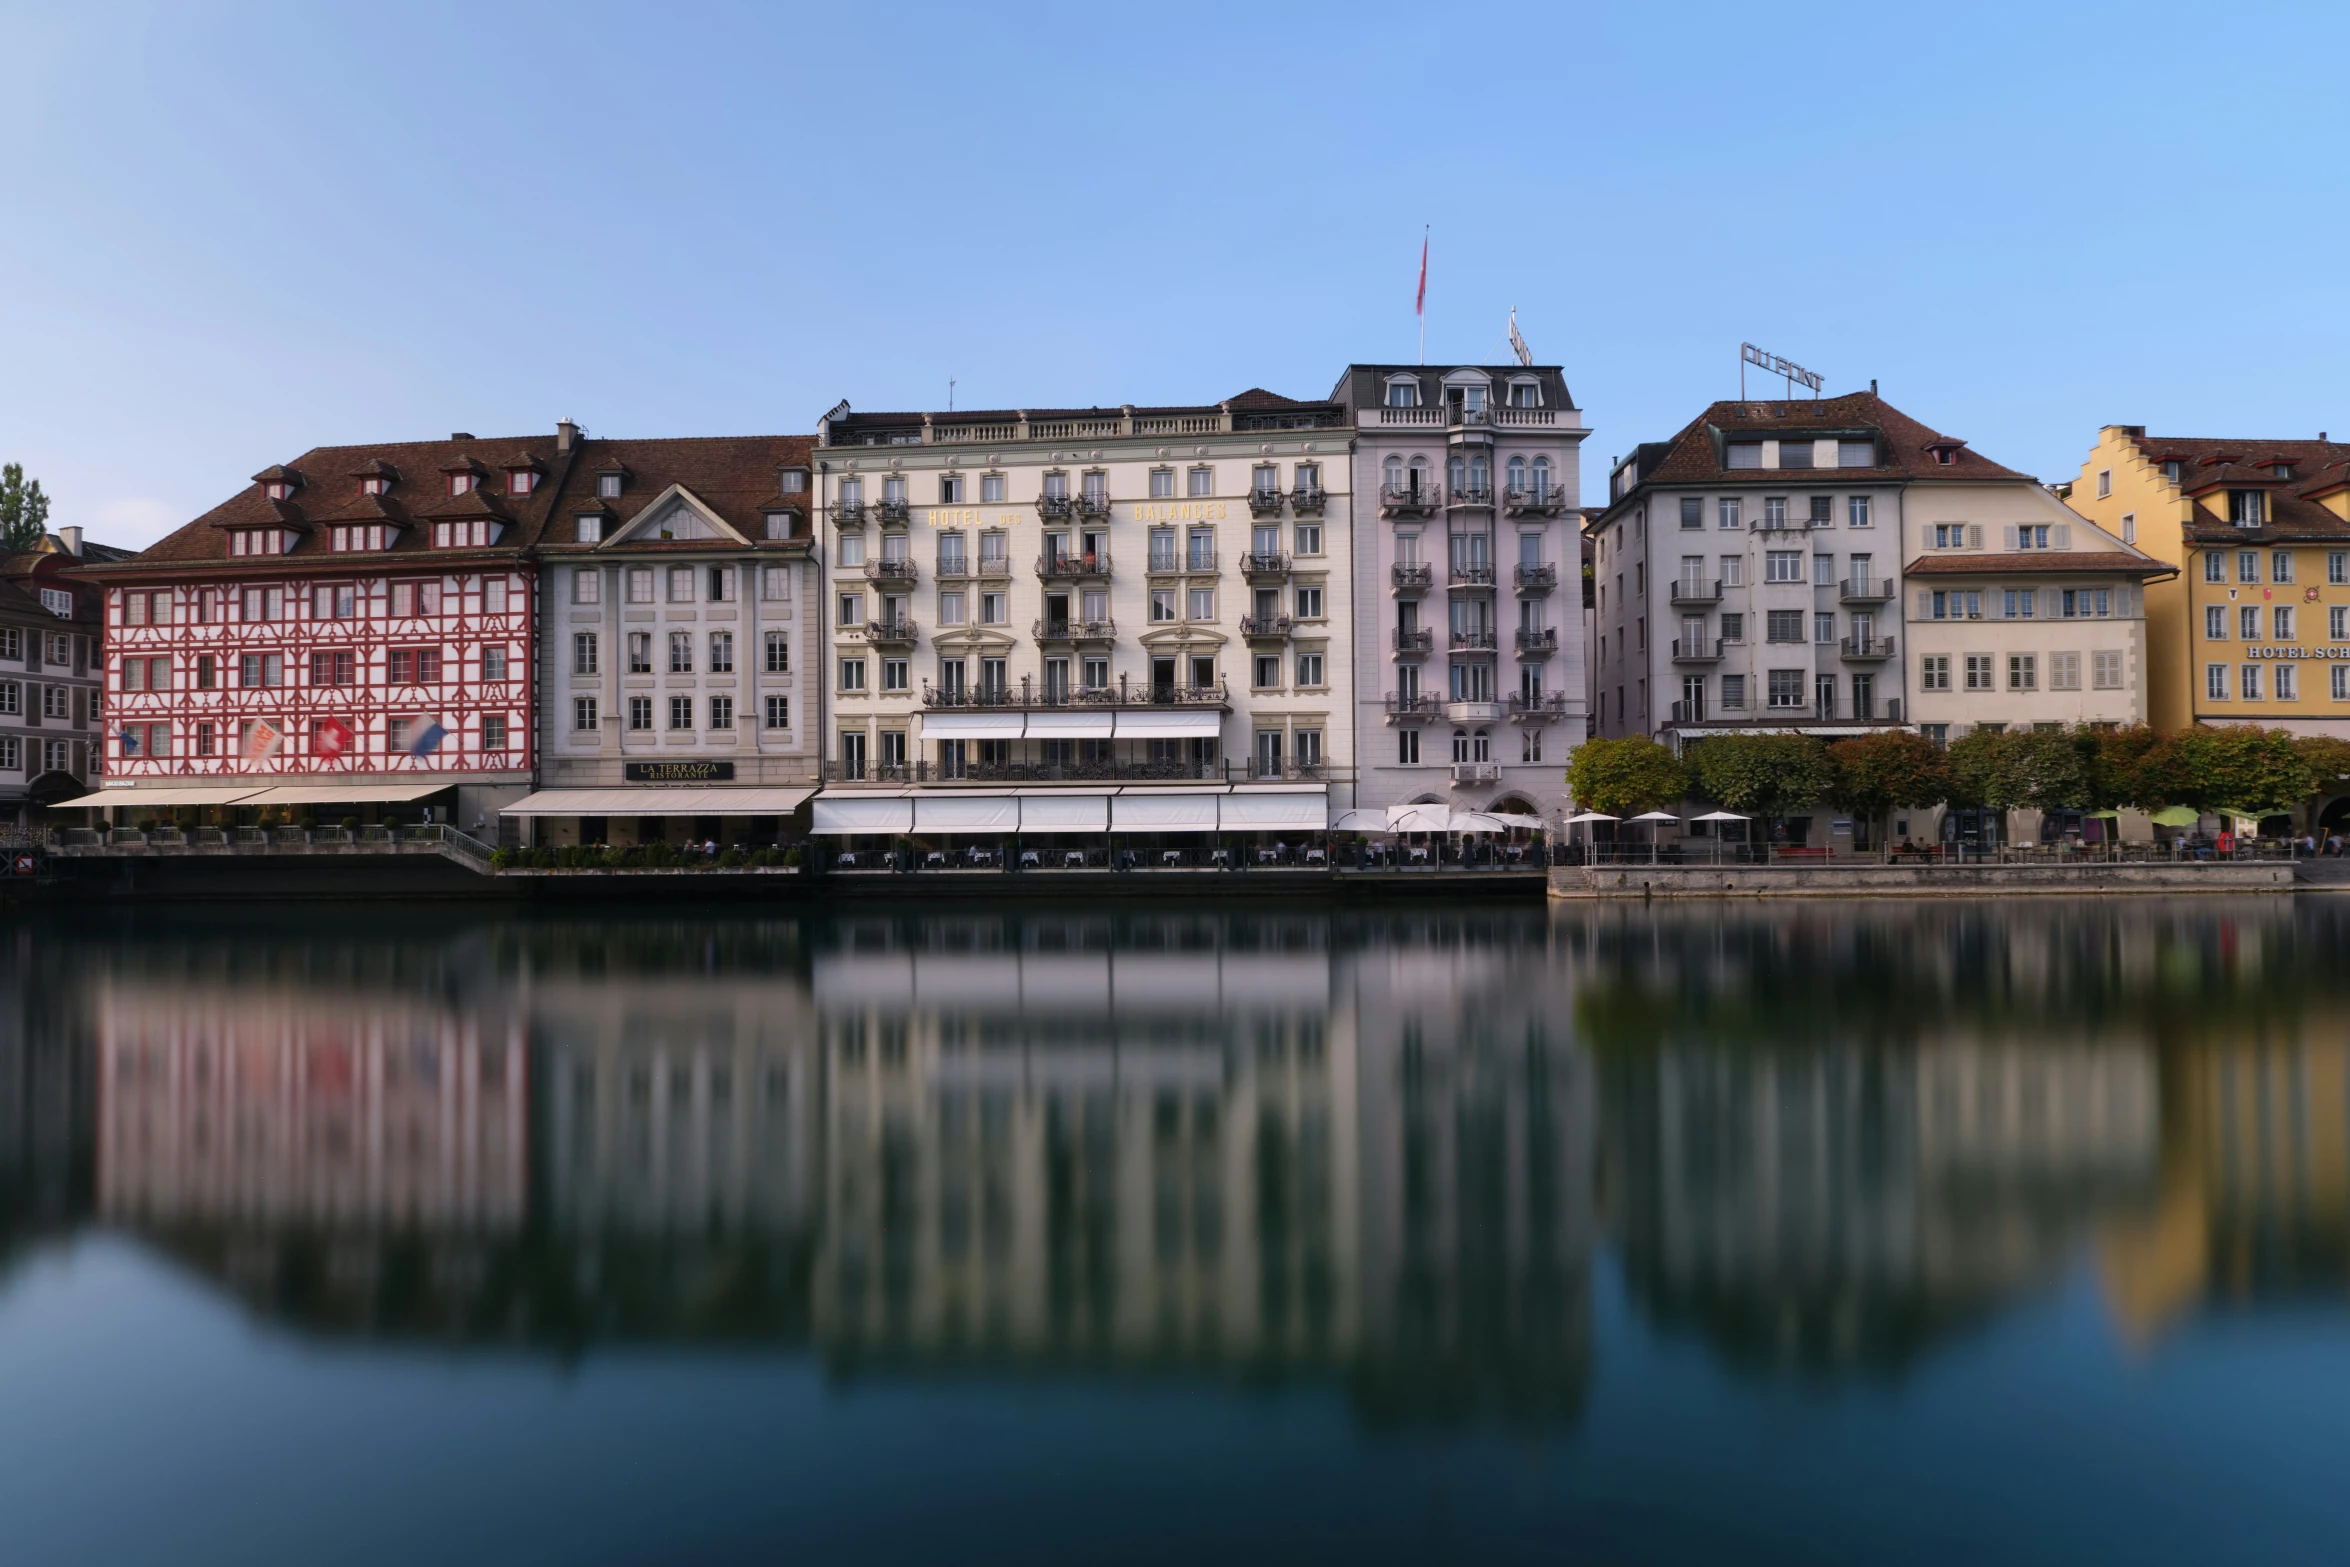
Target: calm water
{"x": 1930, "y": 1233}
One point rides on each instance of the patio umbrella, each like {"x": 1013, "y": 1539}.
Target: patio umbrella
{"x": 1477, "y": 821}
{"x": 2111, "y": 816}
{"x": 1592, "y": 816}
{"x": 1522, "y": 823}
{"x": 1721, "y": 816}
{"x": 2177, "y": 816}
{"x": 1656, "y": 816}
{"x": 1419, "y": 818}
{"x": 1361, "y": 821}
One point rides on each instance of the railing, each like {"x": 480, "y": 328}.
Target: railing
{"x": 949, "y": 434}
{"x": 1550, "y": 705}
{"x": 1264, "y": 503}
{"x": 995, "y": 566}
{"x": 954, "y": 569}
{"x": 1055, "y": 508}
{"x": 1092, "y": 507}
{"x": 1308, "y": 502}
{"x": 1255, "y": 565}
{"x": 1533, "y": 503}
{"x": 1535, "y": 579}
{"x": 848, "y": 514}
{"x": 1687, "y": 713}
{"x": 1699, "y": 651}
{"x": 1407, "y": 706}
{"x": 1163, "y": 563}
{"x": 1412, "y": 576}
{"x": 1417, "y": 640}
{"x": 1887, "y": 711}
{"x": 1078, "y": 770}
{"x": 1468, "y": 574}
{"x": 1527, "y": 417}
{"x": 1200, "y": 562}
{"x": 886, "y": 570}
{"x": 1476, "y": 772}
{"x": 889, "y": 633}
{"x": 1865, "y": 590}
{"x": 888, "y": 512}
{"x": 1075, "y": 630}
{"x": 1538, "y": 642}
{"x": 1264, "y": 625}
{"x": 1871, "y": 648}
{"x": 1406, "y": 501}
{"x": 1686, "y": 592}
{"x": 1410, "y": 416}
{"x": 1123, "y": 694}
{"x": 1473, "y": 495}
{"x": 1474, "y": 710}
{"x": 1073, "y": 568}
{"x": 1475, "y": 639}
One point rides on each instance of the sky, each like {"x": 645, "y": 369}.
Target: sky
{"x": 237, "y": 231}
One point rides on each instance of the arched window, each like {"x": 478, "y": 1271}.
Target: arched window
{"x": 1417, "y": 477}
{"x": 1460, "y": 745}
{"x": 1393, "y": 478}
{"x": 1403, "y": 392}
{"x": 1456, "y": 474}
{"x": 1517, "y": 473}
{"x": 1480, "y": 475}
{"x": 1481, "y": 746}
{"x": 1541, "y": 478}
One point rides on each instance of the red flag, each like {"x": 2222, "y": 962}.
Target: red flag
{"x": 1420, "y": 300}
{"x": 331, "y": 738}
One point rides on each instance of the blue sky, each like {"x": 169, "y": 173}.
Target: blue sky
{"x": 238, "y": 231}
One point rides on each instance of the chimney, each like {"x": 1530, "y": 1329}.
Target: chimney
{"x": 566, "y": 435}
{"x": 71, "y": 538}
{"x": 460, "y": 435}
{"x": 1872, "y": 386}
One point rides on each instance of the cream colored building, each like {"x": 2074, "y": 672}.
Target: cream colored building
{"x": 1094, "y": 601}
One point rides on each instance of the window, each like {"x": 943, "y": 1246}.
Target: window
{"x": 850, "y": 610}
{"x": 2247, "y": 508}
{"x": 206, "y": 739}
{"x": 1265, "y": 672}
{"x": 334, "y": 667}
{"x": 681, "y": 712}
{"x": 779, "y": 712}
{"x": 583, "y": 713}
{"x": 1934, "y": 672}
{"x": 1733, "y": 571}
{"x": 1162, "y": 484}
{"x": 994, "y": 609}
{"x": 418, "y": 666}
{"x": 2338, "y": 624}
{"x": 950, "y": 489}
{"x": 991, "y": 489}
{"x": 1162, "y": 604}
{"x": 11, "y": 642}
{"x": 681, "y": 584}
{"x": 1407, "y": 747}
{"x": 2215, "y": 623}
{"x": 1744, "y": 454}
{"x": 2247, "y": 565}
{"x": 2215, "y": 682}
{"x": 2023, "y": 672}
{"x": 2248, "y": 623}
{"x": 1200, "y": 553}
{"x": 722, "y": 652}
{"x": 493, "y": 732}
{"x": 2104, "y": 483}
{"x": 681, "y": 652}
{"x": 778, "y": 653}
{"x": 1957, "y": 535}
{"x": 2129, "y": 527}
{"x": 778, "y": 525}
{"x": 722, "y": 712}
{"x": 1978, "y": 672}
{"x": 894, "y": 674}
{"x": 1692, "y": 510}
{"x": 410, "y": 600}
{"x": 1823, "y": 626}
{"x": 1309, "y": 538}
{"x": 1775, "y": 511}
{"x": 2105, "y": 670}
{"x": 2021, "y": 603}
{"x": 640, "y": 652}
{"x": 206, "y": 672}
{"x": 2288, "y": 680}
{"x": 11, "y": 697}
{"x": 640, "y": 713}
{"x": 1823, "y": 571}
{"x": 721, "y": 583}
{"x": 1309, "y": 603}
{"x": 2214, "y": 567}
{"x": 2282, "y": 621}
{"x": 2031, "y": 537}
{"x": 1403, "y": 392}
{"x": 260, "y": 670}
{"x": 951, "y": 609}
{"x": 1823, "y": 513}
{"x": 1309, "y": 669}
{"x": 583, "y": 655}
{"x": 2064, "y": 671}
{"x": 852, "y": 675}
{"x": 1726, "y": 514}
{"x": 1782, "y": 566}
{"x": 2280, "y": 566}
{"x": 1200, "y": 604}
{"x": 1785, "y": 688}
{"x": 1856, "y": 511}
{"x": 2249, "y": 683}
{"x": 2342, "y": 682}
{"x": 608, "y": 485}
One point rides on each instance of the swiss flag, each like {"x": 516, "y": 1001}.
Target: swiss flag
{"x": 331, "y": 739}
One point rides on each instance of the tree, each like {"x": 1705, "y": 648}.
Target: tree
{"x": 1620, "y": 777}
{"x": 2247, "y": 768}
{"x": 2048, "y": 770}
{"x": 2328, "y": 762}
{"x": 2118, "y": 761}
{"x": 1893, "y": 767}
{"x": 1977, "y": 763}
{"x": 1762, "y": 775}
{"x": 24, "y": 511}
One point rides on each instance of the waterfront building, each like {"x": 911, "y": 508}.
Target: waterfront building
{"x": 680, "y": 616}
{"x": 1080, "y": 621}
{"x": 51, "y": 693}
{"x": 349, "y": 635}
{"x": 2254, "y": 626}
{"x": 1468, "y": 645}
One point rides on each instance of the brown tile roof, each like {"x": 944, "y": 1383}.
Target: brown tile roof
{"x": 1905, "y": 447}
{"x": 2289, "y": 518}
{"x": 736, "y": 476}
{"x": 2214, "y": 466}
{"x": 2036, "y": 564}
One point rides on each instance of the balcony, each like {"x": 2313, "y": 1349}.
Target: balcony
{"x": 1104, "y": 770}
{"x": 1475, "y": 773}
{"x": 1547, "y": 708}
{"x": 1074, "y": 568}
{"x": 1537, "y": 641}
{"x": 1414, "y": 642}
{"x": 1026, "y": 694}
{"x": 1200, "y": 564}
{"x": 1885, "y": 712}
{"x": 1264, "y": 628}
{"x": 1255, "y": 566}
{"x": 1472, "y": 495}
{"x": 1055, "y": 508}
{"x": 1688, "y": 592}
{"x": 1531, "y": 580}
{"x": 1699, "y": 650}
{"x": 892, "y": 571}
{"x": 1866, "y": 650}
{"x": 1408, "y": 500}
{"x": 1075, "y": 630}
{"x": 997, "y": 567}
{"x": 1477, "y": 710}
{"x": 1093, "y": 506}
{"x": 953, "y": 570}
{"x": 1865, "y": 590}
{"x": 1688, "y": 713}
{"x": 893, "y": 513}
{"x": 848, "y": 514}
{"x": 1468, "y": 574}
{"x": 1412, "y": 576}
{"x": 889, "y": 633}
{"x": 1412, "y": 707}
{"x": 1307, "y": 502}
{"x": 1474, "y": 639}
{"x": 1534, "y": 503}
{"x": 1264, "y": 503}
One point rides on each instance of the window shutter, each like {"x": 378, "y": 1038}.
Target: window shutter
{"x": 2007, "y": 533}
{"x": 2060, "y": 536}
{"x": 1974, "y": 535}
{"x": 1925, "y": 605}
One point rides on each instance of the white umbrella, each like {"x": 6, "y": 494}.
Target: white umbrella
{"x": 1721, "y": 816}
{"x": 1524, "y": 823}
{"x": 1360, "y": 821}
{"x": 1592, "y": 816}
{"x": 1419, "y": 818}
{"x": 1656, "y": 816}
{"x": 1477, "y": 821}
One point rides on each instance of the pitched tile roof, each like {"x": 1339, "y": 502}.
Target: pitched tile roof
{"x": 736, "y": 476}
{"x": 1905, "y": 448}
{"x": 2212, "y": 466}
{"x": 2037, "y": 564}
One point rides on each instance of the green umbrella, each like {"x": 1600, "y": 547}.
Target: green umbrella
{"x": 2177, "y": 816}
{"x": 2111, "y": 816}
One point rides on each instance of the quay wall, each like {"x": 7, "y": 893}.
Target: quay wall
{"x": 1913, "y": 881}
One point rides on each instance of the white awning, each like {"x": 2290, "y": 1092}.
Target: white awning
{"x": 659, "y": 802}
{"x": 1287, "y": 811}
{"x": 1169, "y": 724}
{"x": 164, "y": 794}
{"x": 1194, "y": 811}
{"x": 972, "y": 726}
{"x": 844, "y": 815}
{"x": 1046, "y": 810}
{"x": 1068, "y": 726}
{"x": 345, "y": 793}
{"x": 967, "y": 813}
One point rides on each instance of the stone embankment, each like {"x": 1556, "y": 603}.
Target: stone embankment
{"x": 1874, "y": 880}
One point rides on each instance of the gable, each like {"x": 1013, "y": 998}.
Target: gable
{"x": 676, "y": 514}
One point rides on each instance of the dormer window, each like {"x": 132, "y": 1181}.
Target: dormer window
{"x": 2283, "y": 470}
{"x": 521, "y": 481}
{"x": 1525, "y": 394}
{"x": 277, "y": 490}
{"x": 779, "y": 525}
{"x": 372, "y": 536}
{"x": 608, "y": 485}
{"x": 1473, "y": 399}
{"x": 2173, "y": 471}
{"x": 461, "y": 483}
{"x": 795, "y": 481}
{"x": 1403, "y": 391}
{"x": 2247, "y": 508}
{"x": 588, "y": 528}
{"x": 257, "y": 541}
{"x": 374, "y": 485}
{"x": 1945, "y": 454}
{"x": 464, "y": 535}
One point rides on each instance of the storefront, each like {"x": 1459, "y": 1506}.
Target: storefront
{"x": 1133, "y": 827}
{"x": 731, "y": 817}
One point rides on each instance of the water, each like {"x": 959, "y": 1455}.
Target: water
{"x": 1931, "y": 1233}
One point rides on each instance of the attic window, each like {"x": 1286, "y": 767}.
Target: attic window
{"x": 779, "y": 524}
{"x": 369, "y": 537}
{"x": 521, "y": 481}
{"x": 2247, "y": 508}
{"x": 2283, "y": 470}
{"x": 1525, "y": 394}
{"x": 607, "y": 485}
{"x": 463, "y": 535}
{"x": 795, "y": 481}
{"x": 373, "y": 485}
{"x": 588, "y": 528}
{"x": 1744, "y": 454}
{"x": 2172, "y": 470}
{"x": 277, "y": 489}
{"x": 1945, "y": 456}
{"x": 461, "y": 483}
{"x": 1403, "y": 392}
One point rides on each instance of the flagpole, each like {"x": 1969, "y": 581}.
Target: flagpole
{"x": 1420, "y": 302}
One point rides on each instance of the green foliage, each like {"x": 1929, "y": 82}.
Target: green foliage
{"x": 24, "y": 511}
{"x": 2030, "y": 769}
{"x": 1621, "y": 777}
{"x": 1892, "y": 767}
{"x": 2246, "y": 767}
{"x": 1762, "y": 775}
{"x": 501, "y": 859}
{"x": 2118, "y": 762}
{"x": 2328, "y": 762}
{"x": 791, "y": 859}
{"x": 731, "y": 860}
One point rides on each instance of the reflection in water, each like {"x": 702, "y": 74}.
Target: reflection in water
{"x": 1379, "y": 1152}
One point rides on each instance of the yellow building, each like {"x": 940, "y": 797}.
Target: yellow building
{"x": 2255, "y": 628}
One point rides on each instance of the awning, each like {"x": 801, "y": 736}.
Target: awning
{"x": 1169, "y": 725}
{"x": 842, "y": 816}
{"x": 1194, "y": 811}
{"x": 1287, "y": 811}
{"x": 1048, "y": 810}
{"x": 967, "y": 813}
{"x": 659, "y": 802}
{"x": 972, "y": 726}
{"x": 1068, "y": 726}
{"x": 164, "y": 794}
{"x": 345, "y": 793}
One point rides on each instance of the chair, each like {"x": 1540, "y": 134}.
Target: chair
{"x": 1170, "y": 856}
{"x": 934, "y": 860}
{"x": 1073, "y": 860}
{"x": 1029, "y": 860}
{"x": 1316, "y": 857}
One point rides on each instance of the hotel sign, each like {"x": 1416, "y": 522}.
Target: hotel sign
{"x": 2321, "y": 654}
{"x": 678, "y": 772}
{"x": 1143, "y": 511}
